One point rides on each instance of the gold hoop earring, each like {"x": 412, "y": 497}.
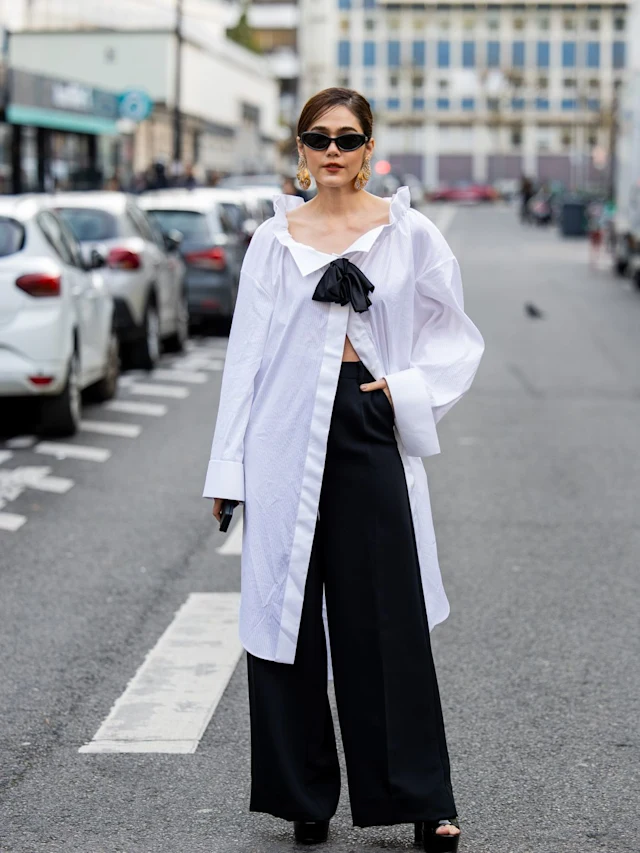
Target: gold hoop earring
{"x": 363, "y": 176}
{"x": 304, "y": 178}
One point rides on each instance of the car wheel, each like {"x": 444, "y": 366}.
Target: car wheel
{"x": 60, "y": 415}
{"x": 178, "y": 340}
{"x": 146, "y": 351}
{"x": 106, "y": 387}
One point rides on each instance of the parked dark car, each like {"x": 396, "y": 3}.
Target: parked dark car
{"x": 213, "y": 247}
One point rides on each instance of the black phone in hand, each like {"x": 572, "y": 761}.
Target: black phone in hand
{"x": 227, "y": 514}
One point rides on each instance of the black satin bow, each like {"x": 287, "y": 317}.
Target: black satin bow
{"x": 343, "y": 282}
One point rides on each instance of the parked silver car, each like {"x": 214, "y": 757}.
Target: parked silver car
{"x": 143, "y": 270}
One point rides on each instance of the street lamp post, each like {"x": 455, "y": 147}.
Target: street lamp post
{"x": 177, "y": 116}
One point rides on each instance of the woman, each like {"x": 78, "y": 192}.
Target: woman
{"x": 349, "y": 342}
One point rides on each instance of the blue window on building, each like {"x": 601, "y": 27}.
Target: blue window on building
{"x": 468, "y": 103}
{"x": 443, "y": 54}
{"x": 344, "y": 53}
{"x": 369, "y": 4}
{"x": 619, "y": 54}
{"x": 593, "y": 54}
{"x": 468, "y": 54}
{"x": 517, "y": 103}
{"x": 418, "y": 103}
{"x": 393, "y": 54}
{"x": 442, "y": 103}
{"x": 369, "y": 53}
{"x": 543, "y": 54}
{"x": 569, "y": 104}
{"x": 344, "y": 4}
{"x": 542, "y": 103}
{"x": 593, "y": 104}
{"x": 419, "y": 54}
{"x": 393, "y": 103}
{"x": 372, "y": 103}
{"x": 568, "y": 54}
{"x": 517, "y": 54}
{"x": 493, "y": 54}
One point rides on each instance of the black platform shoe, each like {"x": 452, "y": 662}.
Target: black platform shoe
{"x": 311, "y": 831}
{"x": 436, "y": 842}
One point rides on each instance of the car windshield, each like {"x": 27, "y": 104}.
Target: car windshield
{"x": 88, "y": 224}
{"x": 11, "y": 237}
{"x": 192, "y": 224}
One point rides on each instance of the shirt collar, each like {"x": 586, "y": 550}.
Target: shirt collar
{"x": 308, "y": 259}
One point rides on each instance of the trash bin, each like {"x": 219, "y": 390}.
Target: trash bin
{"x": 573, "y": 218}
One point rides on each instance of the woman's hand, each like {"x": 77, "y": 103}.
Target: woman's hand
{"x": 379, "y": 383}
{"x": 217, "y": 507}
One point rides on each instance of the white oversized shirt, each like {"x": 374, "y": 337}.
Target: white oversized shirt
{"x": 279, "y": 383}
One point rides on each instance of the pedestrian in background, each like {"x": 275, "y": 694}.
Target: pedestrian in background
{"x": 526, "y": 194}
{"x": 349, "y": 342}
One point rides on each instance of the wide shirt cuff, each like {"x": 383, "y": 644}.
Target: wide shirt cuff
{"x": 413, "y": 412}
{"x": 225, "y": 479}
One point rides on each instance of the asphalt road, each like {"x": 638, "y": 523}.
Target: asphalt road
{"x": 535, "y": 500}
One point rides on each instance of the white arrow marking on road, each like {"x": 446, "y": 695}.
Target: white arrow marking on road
{"x": 169, "y": 702}
{"x": 73, "y": 451}
{"x": 110, "y": 428}
{"x": 175, "y": 391}
{"x": 192, "y": 377}
{"x": 233, "y": 542}
{"x": 156, "y": 410}
{"x": 11, "y": 522}
{"x": 5, "y": 455}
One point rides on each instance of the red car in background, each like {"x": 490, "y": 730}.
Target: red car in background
{"x": 464, "y": 191}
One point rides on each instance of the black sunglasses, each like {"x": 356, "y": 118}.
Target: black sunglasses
{"x": 345, "y": 142}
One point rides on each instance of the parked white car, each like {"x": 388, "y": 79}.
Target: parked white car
{"x": 57, "y": 333}
{"x": 144, "y": 271}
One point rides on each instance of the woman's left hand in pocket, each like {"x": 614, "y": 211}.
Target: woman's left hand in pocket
{"x": 374, "y": 386}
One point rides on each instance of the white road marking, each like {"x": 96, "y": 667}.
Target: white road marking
{"x": 73, "y": 451}
{"x": 444, "y": 221}
{"x": 110, "y": 428}
{"x": 11, "y": 522}
{"x": 169, "y": 702}
{"x": 197, "y": 362}
{"x": 5, "y": 455}
{"x": 130, "y": 407}
{"x": 233, "y": 541}
{"x": 20, "y": 442}
{"x": 192, "y": 377}
{"x": 57, "y": 485}
{"x": 178, "y": 392}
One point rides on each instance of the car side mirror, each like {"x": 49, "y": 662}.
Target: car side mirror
{"x": 97, "y": 260}
{"x": 172, "y": 240}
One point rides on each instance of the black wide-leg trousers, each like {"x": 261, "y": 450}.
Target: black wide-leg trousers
{"x": 364, "y": 556}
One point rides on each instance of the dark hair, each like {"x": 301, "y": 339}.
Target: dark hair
{"x": 336, "y": 97}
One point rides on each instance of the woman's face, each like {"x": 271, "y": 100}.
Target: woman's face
{"x": 334, "y": 122}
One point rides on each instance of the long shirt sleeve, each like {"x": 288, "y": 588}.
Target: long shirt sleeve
{"x": 446, "y": 352}
{"x": 251, "y": 318}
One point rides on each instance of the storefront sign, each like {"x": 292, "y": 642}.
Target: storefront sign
{"x": 50, "y": 102}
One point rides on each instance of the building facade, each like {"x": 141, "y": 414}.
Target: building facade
{"x": 228, "y": 95}
{"x": 468, "y": 91}
{"x": 275, "y": 27}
